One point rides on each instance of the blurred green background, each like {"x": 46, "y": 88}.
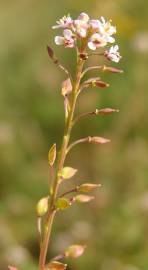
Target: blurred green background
{"x": 115, "y": 225}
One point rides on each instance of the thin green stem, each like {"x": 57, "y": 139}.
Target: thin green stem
{"x": 83, "y": 140}
{"x": 68, "y": 192}
{"x": 60, "y": 164}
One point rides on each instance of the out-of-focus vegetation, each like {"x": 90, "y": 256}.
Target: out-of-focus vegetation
{"x": 114, "y": 226}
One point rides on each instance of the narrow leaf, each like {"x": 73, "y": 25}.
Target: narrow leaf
{"x": 54, "y": 265}
{"x": 75, "y": 251}
{"x": 83, "y": 198}
{"x": 66, "y": 106}
{"x": 52, "y": 155}
{"x": 42, "y": 207}
{"x": 63, "y": 203}
{"x": 87, "y": 187}
{"x": 66, "y": 87}
{"x": 67, "y": 172}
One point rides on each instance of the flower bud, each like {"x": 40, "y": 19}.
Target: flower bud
{"x": 54, "y": 265}
{"x": 42, "y": 207}
{"x": 67, "y": 172}
{"x": 75, "y": 251}
{"x": 50, "y": 52}
{"x": 87, "y": 187}
{"x": 98, "y": 140}
{"x": 84, "y": 17}
{"x": 52, "y": 155}
{"x": 112, "y": 69}
{"x": 101, "y": 84}
{"x": 63, "y": 203}
{"x": 105, "y": 111}
{"x": 12, "y": 268}
{"x": 83, "y": 198}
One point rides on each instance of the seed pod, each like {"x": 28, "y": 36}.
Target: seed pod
{"x": 52, "y": 155}
{"x": 54, "y": 265}
{"x": 67, "y": 172}
{"x": 87, "y": 187}
{"x": 83, "y": 198}
{"x": 62, "y": 203}
{"x": 75, "y": 251}
{"x": 42, "y": 207}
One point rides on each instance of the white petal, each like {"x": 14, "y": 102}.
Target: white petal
{"x": 83, "y": 16}
{"x": 110, "y": 39}
{"x": 95, "y": 36}
{"x": 116, "y": 48}
{"x": 82, "y": 32}
{"x": 103, "y": 20}
{"x": 91, "y": 46}
{"x": 111, "y": 50}
{"x": 59, "y": 40}
{"x": 112, "y": 30}
{"x": 67, "y": 33}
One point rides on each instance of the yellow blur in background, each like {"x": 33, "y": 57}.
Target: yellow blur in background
{"x": 115, "y": 225}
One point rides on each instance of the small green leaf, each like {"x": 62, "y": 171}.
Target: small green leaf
{"x": 87, "y": 187}
{"x": 75, "y": 251}
{"x": 67, "y": 172}
{"x": 52, "y": 155}
{"x": 83, "y": 198}
{"x": 42, "y": 207}
{"x": 63, "y": 203}
{"x": 54, "y": 265}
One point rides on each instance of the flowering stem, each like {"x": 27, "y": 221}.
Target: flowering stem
{"x": 60, "y": 164}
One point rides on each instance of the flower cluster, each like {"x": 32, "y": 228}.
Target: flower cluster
{"x": 95, "y": 33}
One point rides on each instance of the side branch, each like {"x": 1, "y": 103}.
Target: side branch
{"x": 105, "y": 111}
{"x": 89, "y": 139}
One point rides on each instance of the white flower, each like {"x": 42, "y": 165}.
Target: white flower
{"x": 96, "y": 41}
{"x": 84, "y": 17}
{"x": 80, "y": 28}
{"x": 67, "y": 40}
{"x": 94, "y": 24}
{"x": 65, "y": 22}
{"x": 113, "y": 54}
{"x": 106, "y": 30}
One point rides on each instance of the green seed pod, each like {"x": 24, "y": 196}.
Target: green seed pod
{"x": 67, "y": 172}
{"x": 75, "y": 251}
{"x": 62, "y": 203}
{"x": 42, "y": 207}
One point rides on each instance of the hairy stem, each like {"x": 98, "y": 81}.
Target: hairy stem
{"x": 60, "y": 164}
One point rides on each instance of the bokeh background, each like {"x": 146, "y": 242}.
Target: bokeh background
{"x": 115, "y": 225}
